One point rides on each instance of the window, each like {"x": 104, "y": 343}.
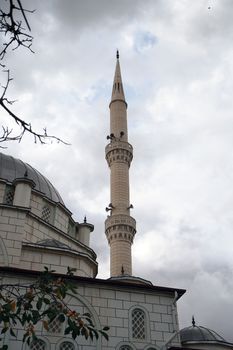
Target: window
{"x": 125, "y": 347}
{"x": 46, "y": 213}
{"x": 138, "y": 324}
{"x": 9, "y": 195}
{"x": 66, "y": 345}
{"x": 71, "y": 228}
{"x": 38, "y": 344}
{"x": 55, "y": 326}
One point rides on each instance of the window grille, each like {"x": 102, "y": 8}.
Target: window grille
{"x": 46, "y": 213}
{"x": 9, "y": 195}
{"x": 67, "y": 345}
{"x": 38, "y": 344}
{"x": 55, "y": 326}
{"x": 138, "y": 324}
{"x": 125, "y": 347}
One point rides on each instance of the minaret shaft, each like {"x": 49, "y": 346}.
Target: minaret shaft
{"x": 118, "y": 119}
{"x": 120, "y": 227}
{"x": 120, "y": 188}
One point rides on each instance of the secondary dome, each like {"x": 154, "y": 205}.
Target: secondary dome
{"x": 199, "y": 333}
{"x": 12, "y": 168}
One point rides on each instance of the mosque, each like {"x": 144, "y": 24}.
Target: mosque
{"x": 37, "y": 230}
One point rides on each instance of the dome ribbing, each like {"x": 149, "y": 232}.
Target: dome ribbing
{"x": 12, "y": 168}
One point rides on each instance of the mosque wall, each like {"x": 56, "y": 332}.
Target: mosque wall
{"x": 117, "y": 306}
{"x": 19, "y": 230}
{"x": 11, "y": 233}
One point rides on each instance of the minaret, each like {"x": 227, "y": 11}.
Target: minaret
{"x": 120, "y": 227}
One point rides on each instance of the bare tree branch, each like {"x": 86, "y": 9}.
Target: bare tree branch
{"x": 13, "y": 29}
{"x": 16, "y": 35}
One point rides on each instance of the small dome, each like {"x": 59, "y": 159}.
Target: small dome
{"x": 199, "y": 334}
{"x": 12, "y": 168}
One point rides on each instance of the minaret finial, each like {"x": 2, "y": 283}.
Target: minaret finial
{"x": 193, "y": 321}
{"x": 117, "y": 55}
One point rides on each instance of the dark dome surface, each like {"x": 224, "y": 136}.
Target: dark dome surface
{"x": 199, "y": 333}
{"x": 12, "y": 168}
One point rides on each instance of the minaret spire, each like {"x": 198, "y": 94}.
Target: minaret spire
{"x": 117, "y": 88}
{"x": 120, "y": 227}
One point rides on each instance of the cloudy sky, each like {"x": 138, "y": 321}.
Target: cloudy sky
{"x": 177, "y": 66}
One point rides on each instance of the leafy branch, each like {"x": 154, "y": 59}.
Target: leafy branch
{"x": 27, "y": 305}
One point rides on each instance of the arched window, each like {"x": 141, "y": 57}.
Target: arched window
{"x": 138, "y": 324}
{"x": 38, "y": 344}
{"x": 66, "y": 345}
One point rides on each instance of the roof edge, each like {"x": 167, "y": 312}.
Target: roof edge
{"x": 89, "y": 280}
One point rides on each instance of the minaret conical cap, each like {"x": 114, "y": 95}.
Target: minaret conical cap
{"x": 117, "y": 89}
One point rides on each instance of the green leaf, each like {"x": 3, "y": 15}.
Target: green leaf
{"x": 74, "y": 335}
{"x": 106, "y": 328}
{"x": 90, "y": 322}
{"x": 25, "y": 337}
{"x": 61, "y": 318}
{"x": 92, "y": 330}
{"x": 12, "y": 333}
{"x": 70, "y": 323}
{"x": 67, "y": 330}
{"x": 105, "y": 335}
{"x": 28, "y": 341}
{"x": 39, "y": 304}
{"x": 4, "y": 330}
{"x": 35, "y": 316}
{"x": 72, "y": 288}
{"x": 4, "y": 347}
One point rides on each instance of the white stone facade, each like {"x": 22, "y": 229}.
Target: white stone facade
{"x": 113, "y": 303}
{"x": 24, "y": 233}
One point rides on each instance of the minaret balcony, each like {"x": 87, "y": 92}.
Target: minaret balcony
{"x": 120, "y": 227}
{"x": 119, "y": 151}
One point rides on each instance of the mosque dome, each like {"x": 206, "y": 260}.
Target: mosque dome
{"x": 199, "y": 334}
{"x": 198, "y": 337}
{"x": 12, "y": 168}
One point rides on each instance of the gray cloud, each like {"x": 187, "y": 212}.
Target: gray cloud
{"x": 179, "y": 92}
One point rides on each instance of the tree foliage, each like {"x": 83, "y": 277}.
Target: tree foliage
{"x": 25, "y": 306}
{"x": 15, "y": 33}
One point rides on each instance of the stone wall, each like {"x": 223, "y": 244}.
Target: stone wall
{"x": 19, "y": 228}
{"x": 113, "y": 306}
